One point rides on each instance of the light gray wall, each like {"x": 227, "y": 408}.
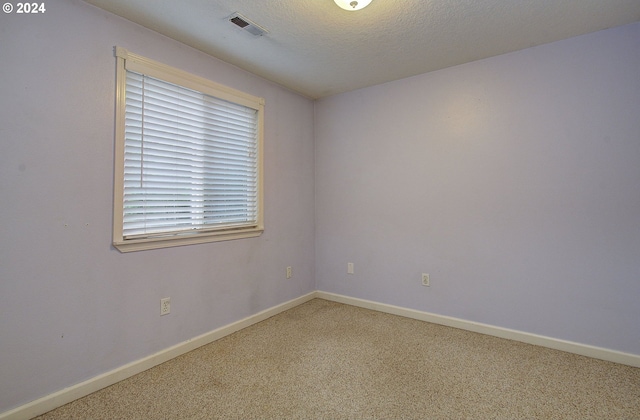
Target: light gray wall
{"x": 71, "y": 306}
{"x": 513, "y": 181}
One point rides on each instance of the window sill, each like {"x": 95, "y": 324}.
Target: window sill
{"x": 167, "y": 242}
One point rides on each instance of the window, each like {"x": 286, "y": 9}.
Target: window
{"x": 188, "y": 158}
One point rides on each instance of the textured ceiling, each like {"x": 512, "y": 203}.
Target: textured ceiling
{"x": 317, "y": 49}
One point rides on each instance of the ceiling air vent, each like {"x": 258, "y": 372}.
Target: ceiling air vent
{"x": 244, "y": 23}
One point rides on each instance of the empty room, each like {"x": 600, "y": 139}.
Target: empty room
{"x": 320, "y": 209}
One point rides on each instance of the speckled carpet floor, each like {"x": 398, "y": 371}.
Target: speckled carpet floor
{"x": 325, "y": 360}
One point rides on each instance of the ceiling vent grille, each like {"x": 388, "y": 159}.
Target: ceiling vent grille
{"x": 247, "y": 25}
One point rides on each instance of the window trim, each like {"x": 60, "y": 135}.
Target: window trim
{"x": 133, "y": 62}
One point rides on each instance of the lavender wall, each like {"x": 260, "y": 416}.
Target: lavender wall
{"x": 71, "y": 306}
{"x": 513, "y": 181}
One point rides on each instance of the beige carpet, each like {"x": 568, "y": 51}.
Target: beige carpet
{"x": 324, "y": 360}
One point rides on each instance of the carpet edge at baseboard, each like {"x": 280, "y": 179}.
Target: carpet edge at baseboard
{"x": 524, "y": 337}
{"x": 82, "y": 389}
{"x": 72, "y": 393}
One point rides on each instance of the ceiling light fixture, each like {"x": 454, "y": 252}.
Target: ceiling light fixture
{"x": 352, "y": 5}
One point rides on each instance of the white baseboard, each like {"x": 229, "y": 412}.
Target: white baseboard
{"x": 67, "y": 395}
{"x": 72, "y": 393}
{"x": 539, "y": 340}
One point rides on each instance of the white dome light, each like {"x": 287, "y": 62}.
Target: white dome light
{"x": 352, "y": 5}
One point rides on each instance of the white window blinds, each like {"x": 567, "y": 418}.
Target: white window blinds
{"x": 190, "y": 160}
{"x": 188, "y": 157}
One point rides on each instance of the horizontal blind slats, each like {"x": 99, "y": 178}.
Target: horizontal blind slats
{"x": 206, "y": 124}
{"x": 161, "y": 104}
{"x": 173, "y": 148}
{"x": 190, "y": 160}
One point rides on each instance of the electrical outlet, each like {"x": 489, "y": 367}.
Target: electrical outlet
{"x": 425, "y": 279}
{"x": 349, "y": 268}
{"x": 289, "y": 272}
{"x": 165, "y": 306}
